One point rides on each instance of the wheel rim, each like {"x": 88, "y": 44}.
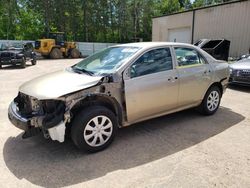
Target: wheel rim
{"x": 213, "y": 100}
{"x": 98, "y": 131}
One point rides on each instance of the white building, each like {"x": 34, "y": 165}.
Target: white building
{"x": 230, "y": 21}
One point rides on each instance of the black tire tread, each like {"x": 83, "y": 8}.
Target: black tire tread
{"x": 23, "y": 63}
{"x": 203, "y": 106}
{"x": 74, "y": 53}
{"x": 81, "y": 118}
{"x": 55, "y": 54}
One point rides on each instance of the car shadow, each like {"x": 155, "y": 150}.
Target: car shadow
{"x": 51, "y": 164}
{"x": 242, "y": 88}
{"x": 14, "y": 67}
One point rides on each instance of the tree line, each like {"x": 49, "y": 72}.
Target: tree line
{"x": 87, "y": 20}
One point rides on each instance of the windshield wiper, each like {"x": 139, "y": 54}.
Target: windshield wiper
{"x": 80, "y": 71}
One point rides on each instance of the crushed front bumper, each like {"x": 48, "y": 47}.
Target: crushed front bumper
{"x": 56, "y": 132}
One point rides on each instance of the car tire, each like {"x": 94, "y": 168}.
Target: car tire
{"x": 74, "y": 53}
{"x": 33, "y": 61}
{"x": 211, "y": 101}
{"x": 94, "y": 128}
{"x": 23, "y": 63}
{"x": 55, "y": 54}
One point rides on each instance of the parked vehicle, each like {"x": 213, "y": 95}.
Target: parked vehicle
{"x": 117, "y": 87}
{"x": 218, "y": 48}
{"x": 245, "y": 56}
{"x": 17, "y": 53}
{"x": 240, "y": 72}
{"x": 56, "y": 46}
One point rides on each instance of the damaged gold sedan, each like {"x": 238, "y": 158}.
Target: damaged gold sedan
{"x": 116, "y": 87}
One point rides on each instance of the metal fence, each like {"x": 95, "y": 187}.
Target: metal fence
{"x": 86, "y": 48}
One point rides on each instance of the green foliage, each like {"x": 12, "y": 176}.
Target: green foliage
{"x": 82, "y": 20}
{"x": 201, "y": 3}
{"x": 170, "y": 6}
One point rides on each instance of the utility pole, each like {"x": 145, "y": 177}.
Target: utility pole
{"x": 8, "y": 24}
{"x": 135, "y": 20}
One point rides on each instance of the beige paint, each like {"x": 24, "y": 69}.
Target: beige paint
{"x": 230, "y": 21}
{"x": 178, "y": 85}
{"x": 57, "y": 84}
{"x": 162, "y": 25}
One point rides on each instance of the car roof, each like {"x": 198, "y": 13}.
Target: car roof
{"x": 154, "y": 44}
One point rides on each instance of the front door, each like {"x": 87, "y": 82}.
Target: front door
{"x": 152, "y": 87}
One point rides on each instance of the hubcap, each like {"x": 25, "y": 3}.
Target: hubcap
{"x": 98, "y": 131}
{"x": 213, "y": 100}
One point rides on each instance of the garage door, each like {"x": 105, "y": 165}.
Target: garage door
{"x": 180, "y": 35}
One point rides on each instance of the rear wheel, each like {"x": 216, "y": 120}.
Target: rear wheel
{"x": 55, "y": 54}
{"x": 74, "y": 53}
{"x": 94, "y": 128}
{"x": 211, "y": 101}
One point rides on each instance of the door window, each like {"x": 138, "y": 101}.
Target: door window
{"x": 152, "y": 62}
{"x": 187, "y": 56}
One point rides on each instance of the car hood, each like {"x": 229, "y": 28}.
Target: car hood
{"x": 57, "y": 84}
{"x": 242, "y": 64}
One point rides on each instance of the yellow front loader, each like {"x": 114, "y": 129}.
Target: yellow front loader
{"x": 55, "y": 47}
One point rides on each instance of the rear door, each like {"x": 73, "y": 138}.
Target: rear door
{"x": 195, "y": 75}
{"x": 152, "y": 85}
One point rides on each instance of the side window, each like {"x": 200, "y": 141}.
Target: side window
{"x": 152, "y": 62}
{"x": 187, "y": 56}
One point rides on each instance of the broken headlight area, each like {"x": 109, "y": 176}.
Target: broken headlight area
{"x": 24, "y": 105}
{"x": 41, "y": 114}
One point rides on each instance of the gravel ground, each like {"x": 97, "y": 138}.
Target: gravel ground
{"x": 183, "y": 149}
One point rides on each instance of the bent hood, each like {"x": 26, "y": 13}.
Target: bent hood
{"x": 57, "y": 84}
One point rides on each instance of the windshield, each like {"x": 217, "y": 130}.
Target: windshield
{"x": 106, "y": 61}
{"x": 11, "y": 46}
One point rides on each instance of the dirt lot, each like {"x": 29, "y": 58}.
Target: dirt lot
{"x": 179, "y": 150}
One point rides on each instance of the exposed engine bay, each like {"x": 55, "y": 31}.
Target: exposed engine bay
{"x": 51, "y": 116}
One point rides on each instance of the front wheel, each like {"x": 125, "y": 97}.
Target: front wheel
{"x": 55, "y": 54}
{"x": 211, "y": 101}
{"x": 33, "y": 61}
{"x": 23, "y": 63}
{"x": 94, "y": 128}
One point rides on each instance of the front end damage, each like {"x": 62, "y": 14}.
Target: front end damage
{"x": 34, "y": 116}
{"x": 51, "y": 116}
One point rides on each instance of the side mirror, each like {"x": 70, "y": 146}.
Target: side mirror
{"x": 132, "y": 71}
{"x": 129, "y": 73}
{"x": 126, "y": 73}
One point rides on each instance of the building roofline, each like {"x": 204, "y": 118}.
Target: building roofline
{"x": 200, "y": 8}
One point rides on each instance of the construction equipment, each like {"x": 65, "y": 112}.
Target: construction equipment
{"x": 56, "y": 47}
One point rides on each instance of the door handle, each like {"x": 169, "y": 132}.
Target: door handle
{"x": 172, "y": 79}
{"x": 207, "y": 71}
